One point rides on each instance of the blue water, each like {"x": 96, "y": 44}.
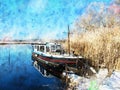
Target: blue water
{"x": 17, "y": 72}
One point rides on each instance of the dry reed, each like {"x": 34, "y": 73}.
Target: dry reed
{"x": 101, "y": 44}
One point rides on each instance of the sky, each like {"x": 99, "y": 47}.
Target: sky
{"x": 39, "y": 19}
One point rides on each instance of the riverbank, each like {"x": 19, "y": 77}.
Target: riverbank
{"x": 100, "y": 81}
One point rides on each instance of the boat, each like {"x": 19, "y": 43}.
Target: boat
{"x": 52, "y": 58}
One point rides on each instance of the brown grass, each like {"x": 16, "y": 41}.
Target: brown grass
{"x": 101, "y": 46}
{"x": 99, "y": 38}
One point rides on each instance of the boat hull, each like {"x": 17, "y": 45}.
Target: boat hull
{"x": 54, "y": 65}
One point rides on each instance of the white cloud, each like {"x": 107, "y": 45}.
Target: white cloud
{"x": 37, "y": 5}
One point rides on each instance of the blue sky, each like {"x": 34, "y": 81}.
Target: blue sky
{"x": 27, "y": 19}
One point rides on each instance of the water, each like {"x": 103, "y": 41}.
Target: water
{"x": 17, "y": 72}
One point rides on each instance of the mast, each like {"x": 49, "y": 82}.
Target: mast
{"x": 68, "y": 40}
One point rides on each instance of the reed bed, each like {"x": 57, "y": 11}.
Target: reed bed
{"x": 96, "y": 37}
{"x": 101, "y": 47}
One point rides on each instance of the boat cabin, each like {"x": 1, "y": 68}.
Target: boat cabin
{"x": 47, "y": 48}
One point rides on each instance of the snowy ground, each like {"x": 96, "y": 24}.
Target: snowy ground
{"x": 98, "y": 82}
{"x": 111, "y": 83}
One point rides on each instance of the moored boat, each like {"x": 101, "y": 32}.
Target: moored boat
{"x": 52, "y": 58}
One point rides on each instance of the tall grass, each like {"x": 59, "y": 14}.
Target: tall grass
{"x": 99, "y": 44}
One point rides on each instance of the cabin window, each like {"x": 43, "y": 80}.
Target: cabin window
{"x": 58, "y": 47}
{"x": 42, "y": 48}
{"x": 37, "y": 48}
{"x": 53, "y": 47}
{"x": 47, "y": 49}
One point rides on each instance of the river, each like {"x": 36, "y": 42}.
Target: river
{"x": 18, "y": 73}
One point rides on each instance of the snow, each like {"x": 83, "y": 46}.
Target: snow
{"x": 112, "y": 82}
{"x": 99, "y": 81}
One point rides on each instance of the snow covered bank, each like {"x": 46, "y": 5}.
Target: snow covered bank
{"x": 100, "y": 81}
{"x": 112, "y": 82}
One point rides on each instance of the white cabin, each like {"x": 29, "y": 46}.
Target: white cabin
{"x": 47, "y": 47}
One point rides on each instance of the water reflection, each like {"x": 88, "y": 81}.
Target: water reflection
{"x": 43, "y": 71}
{"x": 17, "y": 72}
